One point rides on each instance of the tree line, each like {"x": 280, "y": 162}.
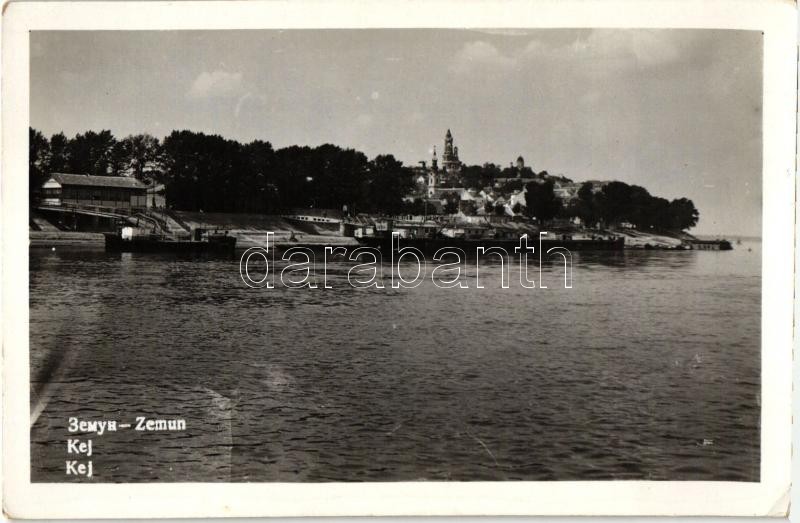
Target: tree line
{"x": 214, "y": 174}
{"x": 609, "y": 205}
{"x": 613, "y": 204}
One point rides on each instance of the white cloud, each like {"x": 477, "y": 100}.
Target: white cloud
{"x": 609, "y": 51}
{"x": 217, "y": 84}
{"x": 642, "y": 48}
{"x": 535, "y": 46}
{"x": 480, "y": 53}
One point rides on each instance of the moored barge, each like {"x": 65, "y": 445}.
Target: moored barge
{"x": 429, "y": 237}
{"x": 431, "y": 245}
{"x": 200, "y": 242}
{"x": 710, "y": 245}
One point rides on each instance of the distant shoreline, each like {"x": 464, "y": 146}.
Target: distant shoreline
{"x": 251, "y": 230}
{"x": 257, "y": 238}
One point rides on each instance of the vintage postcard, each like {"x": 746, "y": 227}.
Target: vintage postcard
{"x": 397, "y": 258}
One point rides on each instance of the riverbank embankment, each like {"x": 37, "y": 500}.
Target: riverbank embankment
{"x": 55, "y": 238}
{"x": 251, "y": 230}
{"x": 640, "y": 240}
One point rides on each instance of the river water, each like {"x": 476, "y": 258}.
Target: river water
{"x": 648, "y": 368}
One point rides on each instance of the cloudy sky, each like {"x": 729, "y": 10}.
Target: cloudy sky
{"x": 677, "y": 111}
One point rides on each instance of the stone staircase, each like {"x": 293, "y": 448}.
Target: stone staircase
{"x": 171, "y": 224}
{"x": 40, "y": 224}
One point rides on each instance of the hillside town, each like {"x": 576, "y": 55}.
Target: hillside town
{"x": 194, "y": 181}
{"x": 445, "y": 188}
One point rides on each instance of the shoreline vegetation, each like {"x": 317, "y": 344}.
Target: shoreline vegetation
{"x": 207, "y": 181}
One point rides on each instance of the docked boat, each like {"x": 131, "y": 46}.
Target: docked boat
{"x": 710, "y": 245}
{"x": 201, "y": 241}
{"x": 431, "y": 245}
{"x": 429, "y": 238}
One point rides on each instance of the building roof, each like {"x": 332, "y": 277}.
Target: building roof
{"x": 124, "y": 182}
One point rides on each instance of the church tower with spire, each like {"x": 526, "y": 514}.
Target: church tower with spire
{"x": 450, "y": 162}
{"x": 445, "y": 175}
{"x": 432, "y": 173}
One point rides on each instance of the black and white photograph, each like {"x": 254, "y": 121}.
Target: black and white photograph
{"x": 396, "y": 255}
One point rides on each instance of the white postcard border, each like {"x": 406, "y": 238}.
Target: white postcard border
{"x": 769, "y": 497}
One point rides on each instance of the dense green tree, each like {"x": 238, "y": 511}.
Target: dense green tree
{"x": 59, "y": 149}
{"x": 479, "y": 176}
{"x": 140, "y": 156}
{"x": 509, "y": 172}
{"x": 512, "y": 185}
{"x": 419, "y": 207}
{"x": 388, "y": 182}
{"x": 294, "y": 175}
{"x": 613, "y": 202}
{"x": 584, "y": 205}
{"x": 619, "y": 202}
{"x": 656, "y": 216}
{"x": 338, "y": 177}
{"x": 92, "y": 153}
{"x": 211, "y": 173}
{"x": 637, "y": 212}
{"x": 452, "y": 201}
{"x": 38, "y": 152}
{"x": 195, "y": 169}
{"x": 468, "y": 207}
{"x": 256, "y": 183}
{"x": 540, "y": 201}
{"x": 683, "y": 213}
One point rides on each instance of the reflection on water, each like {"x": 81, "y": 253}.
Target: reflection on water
{"x": 648, "y": 368}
